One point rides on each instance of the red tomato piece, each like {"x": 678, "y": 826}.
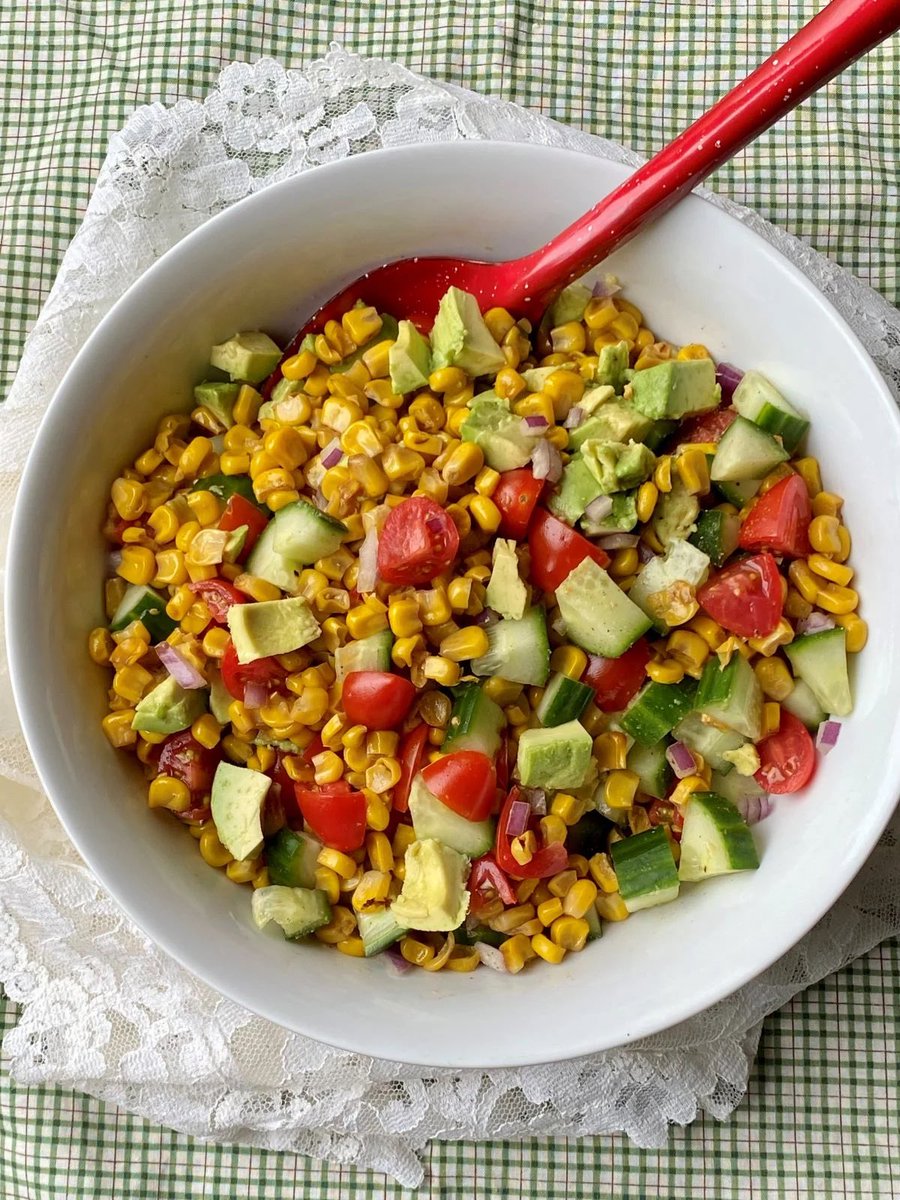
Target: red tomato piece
{"x": 335, "y": 813}
{"x": 486, "y": 878}
{"x": 465, "y": 781}
{"x": 745, "y": 598}
{"x": 516, "y": 495}
{"x": 218, "y": 595}
{"x": 182, "y": 757}
{"x": 616, "y": 681}
{"x": 556, "y": 550}
{"x": 787, "y": 758}
{"x": 236, "y": 676}
{"x": 707, "y": 427}
{"x": 239, "y": 511}
{"x": 779, "y": 520}
{"x": 418, "y": 541}
{"x": 377, "y": 699}
{"x": 411, "y": 756}
{"x": 549, "y": 860}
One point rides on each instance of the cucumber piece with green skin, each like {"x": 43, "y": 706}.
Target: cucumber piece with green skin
{"x": 297, "y": 911}
{"x": 645, "y": 868}
{"x": 588, "y": 835}
{"x": 372, "y": 653}
{"x": 378, "y": 930}
{"x": 732, "y": 696}
{"x": 475, "y": 722}
{"x": 735, "y": 787}
{"x": 388, "y": 332}
{"x": 738, "y": 493}
{"x": 657, "y": 709}
{"x": 820, "y": 660}
{"x": 745, "y": 452}
{"x": 598, "y": 615}
{"x": 226, "y": 486}
{"x": 433, "y": 819}
{"x": 595, "y": 928}
{"x": 651, "y": 766}
{"x": 715, "y": 839}
{"x": 802, "y": 703}
{"x": 303, "y": 534}
{"x": 291, "y": 859}
{"x": 518, "y": 650}
{"x": 140, "y": 603}
{"x": 564, "y": 699}
{"x": 716, "y": 534}
{"x": 479, "y": 933}
{"x": 265, "y": 562}
{"x": 757, "y": 399}
{"x": 708, "y": 740}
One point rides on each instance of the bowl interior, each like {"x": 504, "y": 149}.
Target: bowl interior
{"x": 699, "y": 276}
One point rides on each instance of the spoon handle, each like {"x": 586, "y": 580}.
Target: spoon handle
{"x": 837, "y": 36}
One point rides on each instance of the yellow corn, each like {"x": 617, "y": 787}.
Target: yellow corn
{"x": 486, "y": 513}
{"x": 205, "y": 507}
{"x": 100, "y": 646}
{"x": 612, "y": 907}
{"x": 553, "y": 829}
{"x": 378, "y": 810}
{"x": 827, "y": 504}
{"x": 666, "y": 671}
{"x": 685, "y": 788}
{"x": 207, "y": 731}
{"x": 834, "y": 572}
{"x": 693, "y": 468}
{"x": 559, "y": 884}
{"x": 211, "y": 849}
{"x": 328, "y": 767}
{"x": 804, "y": 580}
{"x": 407, "y": 650}
{"x": 693, "y": 351}
{"x": 549, "y": 910}
{"x": 610, "y": 750}
{"x": 335, "y": 860}
{"x": 565, "y": 388}
{"x": 464, "y": 463}
{"x": 340, "y": 928}
{"x": 580, "y": 898}
{"x": 836, "y": 599}
{"x": 538, "y": 404}
{"x": 442, "y": 670}
{"x": 795, "y": 606}
{"x": 138, "y": 565}
{"x": 509, "y": 384}
{"x": 619, "y": 788}
{"x": 471, "y": 642}
{"x": 502, "y": 691}
{"x": 771, "y": 721}
{"x": 362, "y": 621}
{"x": 371, "y": 890}
{"x": 131, "y": 682}
{"x": 844, "y": 537}
{"x": 603, "y": 873}
{"x": 857, "y": 631}
{"x": 128, "y": 498}
{"x": 383, "y": 775}
{"x": 117, "y": 727}
{"x": 688, "y": 648}
{"x": 824, "y": 536}
{"x": 516, "y": 951}
{"x": 167, "y": 792}
{"x": 403, "y": 616}
{"x": 549, "y": 951}
{"x": 328, "y": 881}
{"x": 434, "y": 606}
{"x": 808, "y": 470}
{"x": 569, "y": 660}
{"x": 571, "y": 933}
{"x": 662, "y": 475}
{"x": 774, "y": 678}
{"x": 378, "y": 849}
{"x": 569, "y": 808}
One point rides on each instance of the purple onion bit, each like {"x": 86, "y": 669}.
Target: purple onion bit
{"x": 827, "y": 736}
{"x": 754, "y": 809}
{"x": 728, "y": 377}
{"x": 681, "y": 760}
{"x": 599, "y": 509}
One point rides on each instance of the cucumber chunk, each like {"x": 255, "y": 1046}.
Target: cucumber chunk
{"x": 564, "y": 699}
{"x": 595, "y": 928}
{"x": 716, "y": 534}
{"x": 433, "y": 819}
{"x": 820, "y": 660}
{"x": 651, "y": 766}
{"x": 745, "y": 452}
{"x": 372, "y": 653}
{"x": 805, "y": 707}
{"x": 646, "y": 869}
{"x": 475, "y": 722}
{"x": 519, "y": 650}
{"x": 732, "y": 696}
{"x": 291, "y": 859}
{"x": 598, "y": 615}
{"x": 657, "y": 709}
{"x": 757, "y": 399}
{"x": 378, "y": 930}
{"x": 738, "y": 493}
{"x": 736, "y": 787}
{"x": 297, "y": 911}
{"x": 266, "y": 562}
{"x": 715, "y": 839}
{"x": 143, "y": 604}
{"x": 303, "y": 534}
{"x": 708, "y": 740}
{"x": 589, "y": 834}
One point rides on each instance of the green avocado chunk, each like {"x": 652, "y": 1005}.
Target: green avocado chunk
{"x": 237, "y": 799}
{"x": 498, "y": 432}
{"x": 409, "y": 360}
{"x": 612, "y": 365}
{"x": 460, "y": 337}
{"x": 617, "y": 421}
{"x": 577, "y": 489}
{"x": 169, "y": 708}
{"x": 271, "y": 627}
{"x": 219, "y": 398}
{"x": 673, "y": 389}
{"x": 617, "y": 466}
{"x": 250, "y": 357}
{"x": 434, "y": 895}
{"x": 558, "y": 757}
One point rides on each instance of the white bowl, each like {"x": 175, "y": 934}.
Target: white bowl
{"x": 266, "y": 263}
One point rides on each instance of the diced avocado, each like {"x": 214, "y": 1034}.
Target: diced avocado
{"x": 372, "y": 653}
{"x": 622, "y": 519}
{"x": 519, "y": 650}
{"x": 303, "y": 534}
{"x": 577, "y": 489}
{"x": 432, "y": 818}
{"x": 291, "y": 858}
{"x": 378, "y": 930}
{"x": 219, "y": 398}
{"x": 460, "y": 338}
{"x": 234, "y": 543}
{"x": 820, "y": 660}
{"x": 298, "y": 912}
{"x": 559, "y": 757}
{"x": 659, "y": 432}
{"x": 498, "y": 432}
{"x": 169, "y": 708}
{"x": 594, "y": 398}
{"x": 614, "y": 422}
{"x": 237, "y": 799}
{"x": 652, "y": 768}
{"x": 745, "y": 452}
{"x": 715, "y": 839}
{"x": 141, "y": 603}
{"x": 675, "y": 388}
{"x": 598, "y": 615}
{"x": 682, "y": 561}
{"x": 757, "y": 399}
{"x": 657, "y": 709}
{"x": 612, "y": 365}
{"x": 645, "y": 868}
{"x": 219, "y": 697}
{"x": 717, "y": 534}
{"x": 732, "y": 696}
{"x": 617, "y": 466}
{"x": 506, "y": 592}
{"x": 251, "y": 356}
{"x": 709, "y": 741}
{"x": 675, "y": 515}
{"x": 569, "y": 305}
{"x": 409, "y": 360}
{"x": 475, "y": 722}
{"x": 434, "y": 895}
{"x": 271, "y": 627}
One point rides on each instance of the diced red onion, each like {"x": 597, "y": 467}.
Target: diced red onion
{"x": 753, "y": 808}
{"x": 546, "y": 462}
{"x": 491, "y": 957}
{"x": 486, "y": 618}
{"x": 184, "y": 673}
{"x": 728, "y": 377}
{"x": 605, "y": 287}
{"x": 536, "y": 799}
{"x": 367, "y": 576}
{"x": 255, "y": 695}
{"x": 827, "y": 736}
{"x": 517, "y": 818}
{"x": 618, "y": 541}
{"x": 575, "y": 417}
{"x": 332, "y": 454}
{"x": 534, "y": 426}
{"x": 396, "y": 961}
{"x": 644, "y": 552}
{"x": 680, "y": 760}
{"x": 816, "y": 622}
{"x": 599, "y": 509}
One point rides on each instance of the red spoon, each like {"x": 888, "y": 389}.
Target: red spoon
{"x": 841, "y": 33}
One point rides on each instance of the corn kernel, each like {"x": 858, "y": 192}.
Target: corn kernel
{"x": 138, "y": 565}
{"x": 771, "y": 721}
{"x": 662, "y": 475}
{"x": 603, "y": 873}
{"x": 610, "y": 750}
{"x": 693, "y": 468}
{"x": 836, "y": 599}
{"x": 808, "y": 470}
{"x": 668, "y": 670}
{"x": 207, "y": 731}
{"x": 856, "y": 629}
{"x": 211, "y": 849}
{"x": 486, "y": 513}
{"x": 465, "y": 644}
{"x": 827, "y": 504}
{"x": 549, "y": 951}
{"x": 612, "y": 907}
{"x": 834, "y": 572}
{"x": 569, "y": 808}
{"x": 686, "y": 787}
{"x": 804, "y": 580}
{"x": 824, "y": 536}
{"x": 620, "y": 788}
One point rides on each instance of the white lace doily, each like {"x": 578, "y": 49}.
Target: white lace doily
{"x": 104, "y": 1010}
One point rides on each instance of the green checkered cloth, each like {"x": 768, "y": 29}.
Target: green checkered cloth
{"x": 821, "y": 1115}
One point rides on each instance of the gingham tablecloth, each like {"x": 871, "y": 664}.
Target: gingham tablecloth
{"x": 821, "y": 1117}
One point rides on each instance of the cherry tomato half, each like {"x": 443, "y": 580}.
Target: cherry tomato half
{"x": 465, "y": 781}
{"x": 218, "y": 596}
{"x": 616, "y": 681}
{"x": 239, "y": 511}
{"x": 335, "y": 812}
{"x": 418, "y": 541}
{"x": 516, "y": 495}
{"x": 377, "y": 699}
{"x": 236, "y": 676}
{"x": 549, "y": 860}
{"x": 787, "y": 758}
{"x": 556, "y": 550}
{"x": 182, "y": 757}
{"x": 706, "y": 427}
{"x": 486, "y": 878}
{"x": 411, "y": 756}
{"x": 779, "y": 520}
{"x": 745, "y": 598}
